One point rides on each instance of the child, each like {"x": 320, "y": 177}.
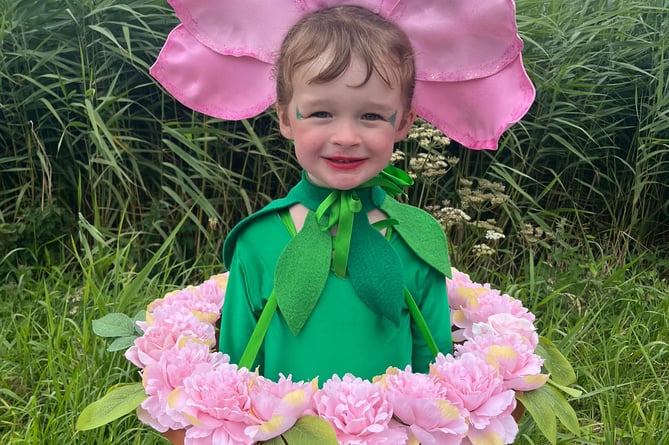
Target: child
{"x": 339, "y": 277}
{"x": 345, "y": 79}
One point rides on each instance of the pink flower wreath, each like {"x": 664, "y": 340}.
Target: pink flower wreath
{"x": 470, "y": 82}
{"x": 467, "y": 398}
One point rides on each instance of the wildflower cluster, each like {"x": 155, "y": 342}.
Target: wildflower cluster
{"x": 427, "y": 135}
{"x": 467, "y": 397}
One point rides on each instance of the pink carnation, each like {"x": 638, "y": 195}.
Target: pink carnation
{"x": 476, "y": 386}
{"x": 276, "y": 406}
{"x": 512, "y": 354}
{"x": 215, "y": 398}
{"x": 418, "y": 402}
{"x": 168, "y": 373}
{"x": 359, "y": 411}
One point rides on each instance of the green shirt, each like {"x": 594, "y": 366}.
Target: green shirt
{"x": 342, "y": 334}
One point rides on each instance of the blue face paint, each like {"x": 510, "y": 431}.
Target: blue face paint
{"x": 298, "y": 115}
{"x": 392, "y": 119}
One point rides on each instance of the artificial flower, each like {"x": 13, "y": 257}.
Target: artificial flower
{"x": 470, "y": 84}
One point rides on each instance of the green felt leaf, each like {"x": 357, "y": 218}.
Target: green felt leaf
{"x": 538, "y": 405}
{"x": 121, "y": 343}
{"x": 372, "y": 256}
{"x": 119, "y": 401}
{"x": 555, "y": 363}
{"x": 308, "y": 430}
{"x": 114, "y": 325}
{"x": 301, "y": 272}
{"x": 426, "y": 243}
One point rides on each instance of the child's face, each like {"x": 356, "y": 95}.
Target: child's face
{"x": 344, "y": 134}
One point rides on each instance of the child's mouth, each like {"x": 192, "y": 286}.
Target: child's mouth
{"x": 345, "y": 163}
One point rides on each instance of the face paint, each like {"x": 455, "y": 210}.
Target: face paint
{"x": 392, "y": 119}
{"x": 298, "y": 115}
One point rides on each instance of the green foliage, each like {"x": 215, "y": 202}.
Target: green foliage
{"x": 119, "y": 401}
{"x": 308, "y": 430}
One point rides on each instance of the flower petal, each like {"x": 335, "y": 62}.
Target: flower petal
{"x": 476, "y": 112}
{"x": 211, "y": 83}
{"x": 456, "y": 40}
{"x": 238, "y": 27}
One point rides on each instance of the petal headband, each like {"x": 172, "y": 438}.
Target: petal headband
{"x": 470, "y": 80}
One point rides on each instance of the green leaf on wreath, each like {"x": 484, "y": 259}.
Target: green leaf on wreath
{"x": 114, "y": 325}
{"x": 308, "y": 430}
{"x": 119, "y": 401}
{"x": 572, "y": 392}
{"x": 539, "y": 407}
{"x": 563, "y": 409}
{"x": 121, "y": 343}
{"x": 555, "y": 363}
{"x": 546, "y": 405}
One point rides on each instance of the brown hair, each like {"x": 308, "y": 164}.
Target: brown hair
{"x": 344, "y": 32}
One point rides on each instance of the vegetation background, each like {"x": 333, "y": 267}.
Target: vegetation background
{"x": 112, "y": 194}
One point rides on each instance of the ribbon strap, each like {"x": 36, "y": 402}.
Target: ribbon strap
{"x": 343, "y": 205}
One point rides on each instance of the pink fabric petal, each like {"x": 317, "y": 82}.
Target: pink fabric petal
{"x": 460, "y": 40}
{"x": 471, "y": 82}
{"x": 239, "y": 27}
{"x": 476, "y": 112}
{"x": 316, "y": 5}
{"x": 225, "y": 87}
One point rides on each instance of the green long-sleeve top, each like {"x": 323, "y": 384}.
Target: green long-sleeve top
{"x": 342, "y": 334}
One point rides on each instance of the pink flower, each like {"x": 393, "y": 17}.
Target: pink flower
{"x": 503, "y": 323}
{"x": 165, "y": 331}
{"x": 205, "y": 300}
{"x": 149, "y": 347}
{"x": 215, "y": 398}
{"x": 480, "y": 305}
{"x": 219, "y": 60}
{"x": 417, "y": 401}
{"x": 476, "y": 386}
{"x": 163, "y": 377}
{"x": 511, "y": 354}
{"x": 460, "y": 288}
{"x": 359, "y": 411}
{"x": 277, "y": 406}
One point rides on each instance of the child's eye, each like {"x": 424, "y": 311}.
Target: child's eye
{"x": 321, "y": 115}
{"x": 371, "y": 117}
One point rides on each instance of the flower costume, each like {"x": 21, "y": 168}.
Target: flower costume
{"x": 470, "y": 80}
{"x": 357, "y": 322}
{"x": 470, "y": 83}
{"x": 352, "y": 301}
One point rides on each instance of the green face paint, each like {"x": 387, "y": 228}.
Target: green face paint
{"x": 392, "y": 119}
{"x": 298, "y": 115}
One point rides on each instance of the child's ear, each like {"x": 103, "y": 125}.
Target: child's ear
{"x": 405, "y": 124}
{"x": 284, "y": 122}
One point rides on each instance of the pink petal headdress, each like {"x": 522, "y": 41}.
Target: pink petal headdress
{"x": 471, "y": 83}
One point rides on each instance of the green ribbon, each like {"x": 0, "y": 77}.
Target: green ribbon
{"x": 340, "y": 207}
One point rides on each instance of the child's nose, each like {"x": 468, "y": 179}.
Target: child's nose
{"x": 346, "y": 134}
